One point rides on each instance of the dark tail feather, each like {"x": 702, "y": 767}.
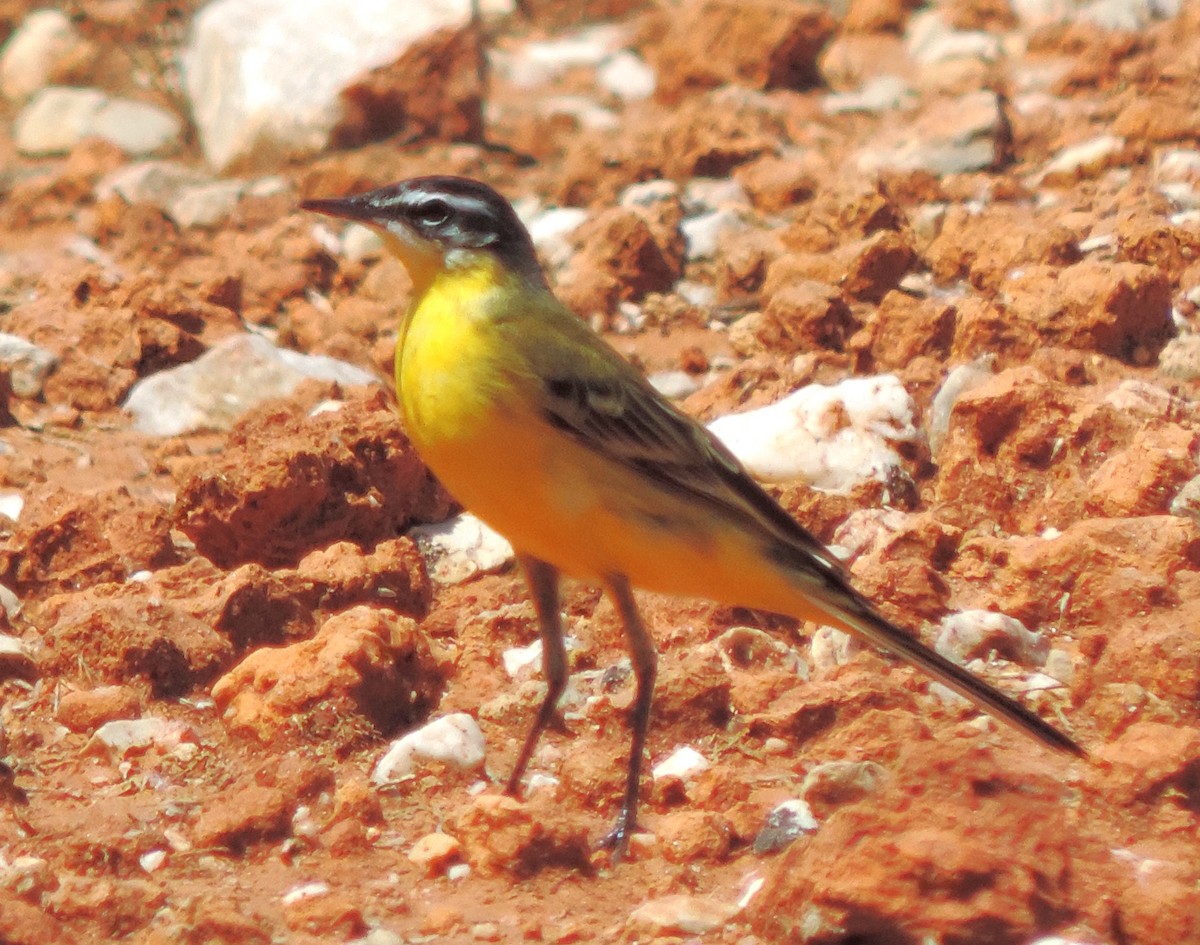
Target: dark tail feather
{"x": 859, "y": 617}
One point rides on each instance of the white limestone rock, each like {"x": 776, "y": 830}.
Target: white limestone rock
{"x": 226, "y": 381}
{"x": 264, "y": 77}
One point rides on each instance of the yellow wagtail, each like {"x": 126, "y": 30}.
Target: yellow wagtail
{"x": 543, "y": 430}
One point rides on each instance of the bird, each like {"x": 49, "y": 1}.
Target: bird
{"x": 538, "y": 426}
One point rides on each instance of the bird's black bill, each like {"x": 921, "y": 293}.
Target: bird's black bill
{"x": 348, "y": 208}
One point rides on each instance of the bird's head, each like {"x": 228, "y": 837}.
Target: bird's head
{"x": 440, "y": 223}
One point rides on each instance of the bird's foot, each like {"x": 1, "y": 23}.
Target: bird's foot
{"x": 617, "y": 839}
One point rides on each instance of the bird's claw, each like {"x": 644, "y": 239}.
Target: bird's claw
{"x": 617, "y": 839}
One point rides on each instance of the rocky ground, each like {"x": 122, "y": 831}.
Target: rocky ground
{"x": 216, "y": 620}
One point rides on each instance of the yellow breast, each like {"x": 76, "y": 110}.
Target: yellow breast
{"x": 471, "y": 406}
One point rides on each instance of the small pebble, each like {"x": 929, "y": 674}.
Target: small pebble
{"x": 1180, "y": 358}
{"x": 460, "y": 548}
{"x": 626, "y": 75}
{"x": 882, "y": 93}
{"x": 360, "y": 242}
{"x": 973, "y": 634}
{"x": 9, "y": 602}
{"x": 11, "y": 505}
{"x": 15, "y": 659}
{"x": 647, "y": 193}
{"x": 931, "y": 40}
{"x": 1060, "y": 666}
{"x": 674, "y": 385}
{"x": 454, "y": 739}
{"x": 774, "y": 745}
{"x": 518, "y": 659}
{"x": 1083, "y": 160}
{"x": 305, "y": 891}
{"x": 434, "y": 852}
{"x": 831, "y": 437}
{"x": 785, "y": 823}
{"x": 121, "y": 737}
{"x": 834, "y": 783}
{"x": 379, "y": 936}
{"x": 682, "y": 914}
{"x": 963, "y": 378}
{"x": 152, "y": 860}
{"x": 831, "y": 648}
{"x": 684, "y": 763}
{"x": 1178, "y": 165}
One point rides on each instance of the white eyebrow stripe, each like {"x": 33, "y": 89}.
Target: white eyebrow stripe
{"x": 469, "y": 205}
{"x": 464, "y": 203}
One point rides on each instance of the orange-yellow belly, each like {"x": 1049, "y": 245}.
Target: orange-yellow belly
{"x": 592, "y": 518}
{"x": 474, "y": 419}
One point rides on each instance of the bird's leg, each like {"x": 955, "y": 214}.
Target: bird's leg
{"x": 542, "y": 579}
{"x": 645, "y": 662}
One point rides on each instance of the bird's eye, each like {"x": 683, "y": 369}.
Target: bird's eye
{"x": 432, "y": 212}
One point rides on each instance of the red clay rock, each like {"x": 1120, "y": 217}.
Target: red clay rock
{"x": 1149, "y": 239}
{"x": 25, "y": 924}
{"x": 876, "y": 265}
{"x": 434, "y": 852}
{"x": 65, "y": 541}
{"x": 985, "y": 247}
{"x": 743, "y": 266}
{"x": 500, "y": 834}
{"x": 904, "y": 328}
{"x": 248, "y": 814}
{"x": 356, "y": 799}
{"x": 761, "y": 43}
{"x": 253, "y": 606}
{"x": 357, "y": 321}
{"x": 108, "y": 337}
{"x": 618, "y": 259}
{"x": 840, "y": 214}
{"x": 1157, "y": 118}
{"x": 1159, "y": 651}
{"x": 1143, "y": 479}
{"x": 1118, "y": 309}
{"x": 803, "y": 316}
{"x": 431, "y": 91}
{"x": 142, "y": 639}
{"x": 689, "y": 835}
{"x": 710, "y": 135}
{"x": 85, "y": 710}
{"x": 115, "y": 909}
{"x": 1002, "y": 438}
{"x": 690, "y": 691}
{"x": 791, "y": 269}
{"x": 366, "y": 668}
{"x": 332, "y": 914}
{"x": 1069, "y": 579}
{"x": 866, "y": 269}
{"x": 286, "y": 485}
{"x": 775, "y": 184}
{"x": 804, "y": 714}
{"x": 919, "y": 859}
{"x": 876, "y": 16}
{"x": 1153, "y": 764}
{"x": 343, "y": 575}
{"x": 1162, "y": 909}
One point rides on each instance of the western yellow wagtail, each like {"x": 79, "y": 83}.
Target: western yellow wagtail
{"x": 538, "y": 426}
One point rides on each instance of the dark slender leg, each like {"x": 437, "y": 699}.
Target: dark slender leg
{"x": 645, "y": 662}
{"x": 543, "y": 587}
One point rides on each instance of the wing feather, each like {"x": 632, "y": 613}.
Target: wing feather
{"x": 608, "y": 407}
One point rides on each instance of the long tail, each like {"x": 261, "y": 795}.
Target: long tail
{"x": 856, "y": 615}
